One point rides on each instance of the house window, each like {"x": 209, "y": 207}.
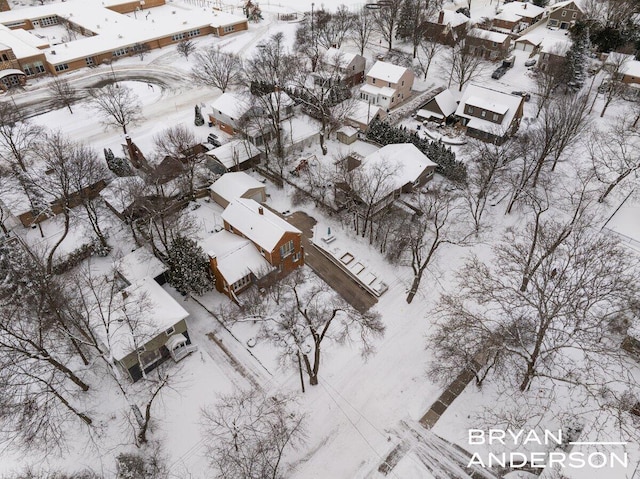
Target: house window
{"x": 194, "y": 33}
{"x": 34, "y": 68}
{"x": 241, "y": 283}
{"x": 62, "y": 67}
{"x": 178, "y": 36}
{"x": 374, "y": 81}
{"x": 89, "y": 61}
{"x": 48, "y": 21}
{"x": 495, "y": 117}
{"x": 553, "y": 22}
{"x": 564, "y": 13}
{"x": 469, "y": 109}
{"x": 495, "y": 44}
{"x": 389, "y": 85}
{"x": 392, "y": 99}
{"x": 120, "y": 52}
{"x": 170, "y": 331}
{"x": 229, "y": 29}
{"x": 296, "y": 257}
{"x": 483, "y": 114}
{"x": 286, "y": 249}
{"x": 402, "y": 82}
{"x": 574, "y": 15}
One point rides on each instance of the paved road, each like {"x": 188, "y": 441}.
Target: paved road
{"x": 340, "y": 281}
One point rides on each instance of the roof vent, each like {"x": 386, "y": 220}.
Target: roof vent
{"x": 260, "y": 210}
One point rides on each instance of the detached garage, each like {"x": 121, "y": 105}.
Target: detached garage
{"x": 237, "y": 185}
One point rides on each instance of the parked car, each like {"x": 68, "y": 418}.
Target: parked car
{"x": 213, "y": 140}
{"x": 499, "y": 72}
{"x": 530, "y": 62}
{"x": 523, "y": 94}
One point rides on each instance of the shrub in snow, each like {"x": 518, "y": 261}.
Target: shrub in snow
{"x": 188, "y": 267}
{"x": 119, "y": 166}
{"x": 199, "y": 120}
{"x": 137, "y": 466}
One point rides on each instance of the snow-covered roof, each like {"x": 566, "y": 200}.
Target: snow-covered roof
{"x": 492, "y": 100}
{"x": 121, "y": 192}
{"x": 151, "y": 311}
{"x": 376, "y": 90}
{"x": 139, "y": 264}
{"x": 234, "y": 185}
{"x": 257, "y": 223}
{"x": 347, "y": 130}
{"x": 363, "y": 112}
{"x": 625, "y": 222}
{"x": 404, "y": 159}
{"x": 450, "y": 17}
{"x": 627, "y": 64}
{"x": 113, "y": 30}
{"x": 234, "y": 153}
{"x": 446, "y": 102}
{"x": 22, "y": 43}
{"x": 488, "y": 35}
{"x": 559, "y": 5}
{"x": 236, "y": 257}
{"x": 387, "y": 72}
{"x": 522, "y": 9}
{"x": 231, "y": 104}
{"x": 345, "y": 57}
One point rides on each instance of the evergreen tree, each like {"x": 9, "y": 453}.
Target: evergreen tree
{"x": 199, "y": 121}
{"x": 577, "y": 59}
{"x": 188, "y": 267}
{"x": 119, "y": 166}
{"x": 406, "y": 21}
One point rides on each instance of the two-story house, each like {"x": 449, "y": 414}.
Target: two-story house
{"x": 350, "y": 67}
{"x": 564, "y": 14}
{"x": 487, "y": 44}
{"x": 447, "y": 27}
{"x": 514, "y": 17}
{"x": 490, "y": 115}
{"x": 387, "y": 85}
{"x": 278, "y": 241}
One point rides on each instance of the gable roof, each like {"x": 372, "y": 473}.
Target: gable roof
{"x": 522, "y": 9}
{"x": 234, "y": 185}
{"x": 405, "y": 161}
{"x": 139, "y": 264}
{"x": 488, "y": 35}
{"x": 345, "y": 57}
{"x": 386, "y": 71}
{"x": 450, "y": 18}
{"x": 257, "y": 223}
{"x": 559, "y": 5}
{"x": 234, "y": 153}
{"x": 230, "y": 104}
{"x": 446, "y": 102}
{"x": 236, "y": 257}
{"x": 491, "y": 100}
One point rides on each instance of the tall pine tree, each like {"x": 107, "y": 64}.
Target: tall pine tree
{"x": 577, "y": 59}
{"x": 188, "y": 265}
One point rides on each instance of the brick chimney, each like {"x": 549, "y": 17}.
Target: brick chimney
{"x": 260, "y": 210}
{"x": 441, "y": 17}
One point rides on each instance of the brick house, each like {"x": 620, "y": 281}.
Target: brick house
{"x": 387, "y": 85}
{"x": 516, "y": 16}
{"x": 487, "y": 44}
{"x": 278, "y": 242}
{"x": 564, "y": 14}
{"x": 447, "y": 27}
{"x": 490, "y": 115}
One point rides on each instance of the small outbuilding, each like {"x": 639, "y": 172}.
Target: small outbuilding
{"x": 347, "y": 135}
{"x": 236, "y": 155}
{"x": 439, "y": 108}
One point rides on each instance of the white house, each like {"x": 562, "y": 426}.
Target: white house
{"x": 387, "y": 85}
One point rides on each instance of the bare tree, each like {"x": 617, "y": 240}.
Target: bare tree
{"x": 463, "y": 66}
{"x": 427, "y": 52}
{"x": 247, "y": 434}
{"x": 140, "y": 49}
{"x": 63, "y": 94}
{"x": 217, "y": 69}
{"x": 18, "y": 136}
{"x": 308, "y": 314}
{"x": 441, "y": 222}
{"x": 362, "y": 28}
{"x": 576, "y": 291}
{"x": 118, "y": 105}
{"x": 413, "y": 15}
{"x": 614, "y": 153}
{"x": 327, "y": 97}
{"x": 613, "y": 86}
{"x": 486, "y": 175}
{"x": 180, "y": 143}
{"x": 267, "y": 74}
{"x": 547, "y": 80}
{"x": 386, "y": 20}
{"x": 185, "y": 48}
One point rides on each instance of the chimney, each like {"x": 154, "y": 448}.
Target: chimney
{"x": 260, "y": 210}
{"x": 525, "y": 6}
{"x": 441, "y": 17}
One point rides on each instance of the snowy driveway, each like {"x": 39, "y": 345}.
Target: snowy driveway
{"x": 340, "y": 281}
